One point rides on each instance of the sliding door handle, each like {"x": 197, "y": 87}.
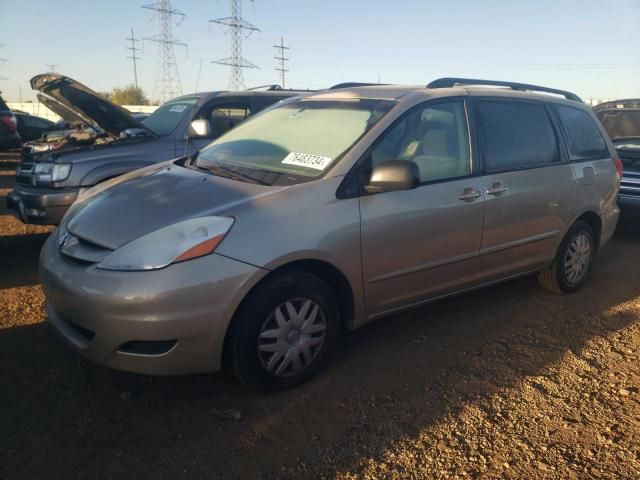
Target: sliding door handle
{"x": 496, "y": 189}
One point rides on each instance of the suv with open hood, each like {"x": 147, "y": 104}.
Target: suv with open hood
{"x": 621, "y": 120}
{"x": 109, "y": 141}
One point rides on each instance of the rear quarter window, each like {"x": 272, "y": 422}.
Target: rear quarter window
{"x": 584, "y": 140}
{"x": 516, "y": 135}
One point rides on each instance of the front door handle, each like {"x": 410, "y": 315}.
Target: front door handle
{"x": 496, "y": 189}
{"x": 469, "y": 195}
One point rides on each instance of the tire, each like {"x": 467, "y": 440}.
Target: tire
{"x": 560, "y": 277}
{"x": 276, "y": 322}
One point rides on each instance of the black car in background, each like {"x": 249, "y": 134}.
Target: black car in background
{"x": 621, "y": 120}
{"x": 9, "y": 136}
{"x": 31, "y": 127}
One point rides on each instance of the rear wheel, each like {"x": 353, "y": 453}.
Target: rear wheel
{"x": 572, "y": 264}
{"x": 283, "y": 332}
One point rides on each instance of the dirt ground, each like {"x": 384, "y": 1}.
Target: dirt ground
{"x": 507, "y": 382}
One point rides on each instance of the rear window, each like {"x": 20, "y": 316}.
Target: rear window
{"x": 516, "y": 135}
{"x": 584, "y": 140}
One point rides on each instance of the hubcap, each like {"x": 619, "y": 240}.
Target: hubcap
{"x": 577, "y": 258}
{"x": 292, "y": 337}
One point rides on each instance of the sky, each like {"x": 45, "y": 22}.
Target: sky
{"x": 590, "y": 47}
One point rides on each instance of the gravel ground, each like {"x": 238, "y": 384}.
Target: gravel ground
{"x": 507, "y": 382}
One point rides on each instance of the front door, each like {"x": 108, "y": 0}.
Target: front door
{"x": 420, "y": 243}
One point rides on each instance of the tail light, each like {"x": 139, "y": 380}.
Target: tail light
{"x": 619, "y": 166}
{"x": 9, "y": 121}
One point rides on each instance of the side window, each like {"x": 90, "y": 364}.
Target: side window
{"x": 225, "y": 117}
{"x": 584, "y": 139}
{"x": 516, "y": 135}
{"x": 434, "y": 137}
{"x": 265, "y": 101}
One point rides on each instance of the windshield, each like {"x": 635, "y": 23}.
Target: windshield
{"x": 294, "y": 142}
{"x": 166, "y": 117}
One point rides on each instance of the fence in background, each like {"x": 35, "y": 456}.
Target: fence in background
{"x": 40, "y": 110}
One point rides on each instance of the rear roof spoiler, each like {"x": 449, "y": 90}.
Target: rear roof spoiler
{"x": 449, "y": 82}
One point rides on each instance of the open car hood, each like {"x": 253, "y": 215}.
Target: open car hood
{"x": 620, "y": 118}
{"x": 75, "y": 102}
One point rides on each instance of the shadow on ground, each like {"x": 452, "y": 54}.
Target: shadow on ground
{"x": 62, "y": 416}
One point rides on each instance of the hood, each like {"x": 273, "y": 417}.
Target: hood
{"x": 620, "y": 122}
{"x": 156, "y": 197}
{"x": 75, "y": 102}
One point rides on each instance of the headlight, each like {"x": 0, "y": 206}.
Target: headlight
{"x": 52, "y": 172}
{"x": 41, "y": 147}
{"x": 183, "y": 241}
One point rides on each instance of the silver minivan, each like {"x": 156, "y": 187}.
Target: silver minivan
{"x": 323, "y": 213}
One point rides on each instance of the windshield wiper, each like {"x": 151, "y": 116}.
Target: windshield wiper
{"x": 242, "y": 176}
{"x": 227, "y": 173}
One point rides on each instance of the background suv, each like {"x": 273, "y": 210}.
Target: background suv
{"x": 108, "y": 141}
{"x": 621, "y": 120}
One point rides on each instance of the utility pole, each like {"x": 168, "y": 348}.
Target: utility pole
{"x": 133, "y": 56}
{"x": 282, "y": 59}
{"x": 52, "y": 67}
{"x": 167, "y": 84}
{"x": 236, "y": 26}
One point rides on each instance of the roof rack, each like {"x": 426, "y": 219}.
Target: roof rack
{"x": 268, "y": 88}
{"x": 448, "y": 82}
{"x": 354, "y": 84}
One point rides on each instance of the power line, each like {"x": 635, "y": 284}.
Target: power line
{"x": 133, "y": 56}
{"x": 236, "y": 61}
{"x": 167, "y": 82}
{"x": 282, "y": 59}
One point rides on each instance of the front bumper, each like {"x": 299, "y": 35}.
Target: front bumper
{"x": 184, "y": 308}
{"x": 629, "y": 201}
{"x": 43, "y": 206}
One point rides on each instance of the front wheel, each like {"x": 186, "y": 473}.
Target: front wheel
{"x": 283, "y": 332}
{"x": 572, "y": 264}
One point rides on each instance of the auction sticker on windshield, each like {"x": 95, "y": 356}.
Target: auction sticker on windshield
{"x": 317, "y": 162}
{"x": 178, "y": 108}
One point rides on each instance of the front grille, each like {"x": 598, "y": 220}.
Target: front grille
{"x": 154, "y": 347}
{"x": 630, "y": 184}
{"x": 81, "y": 250}
{"x": 24, "y": 174}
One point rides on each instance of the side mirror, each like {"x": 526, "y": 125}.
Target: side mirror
{"x": 200, "y": 128}
{"x": 393, "y": 176}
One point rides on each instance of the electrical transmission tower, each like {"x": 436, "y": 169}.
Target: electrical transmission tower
{"x": 167, "y": 84}
{"x": 51, "y": 67}
{"x": 236, "y": 26}
{"x": 3, "y": 60}
{"x": 282, "y": 59}
{"x": 133, "y": 56}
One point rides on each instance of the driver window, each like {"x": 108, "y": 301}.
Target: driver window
{"x": 435, "y": 138}
{"x": 225, "y": 117}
